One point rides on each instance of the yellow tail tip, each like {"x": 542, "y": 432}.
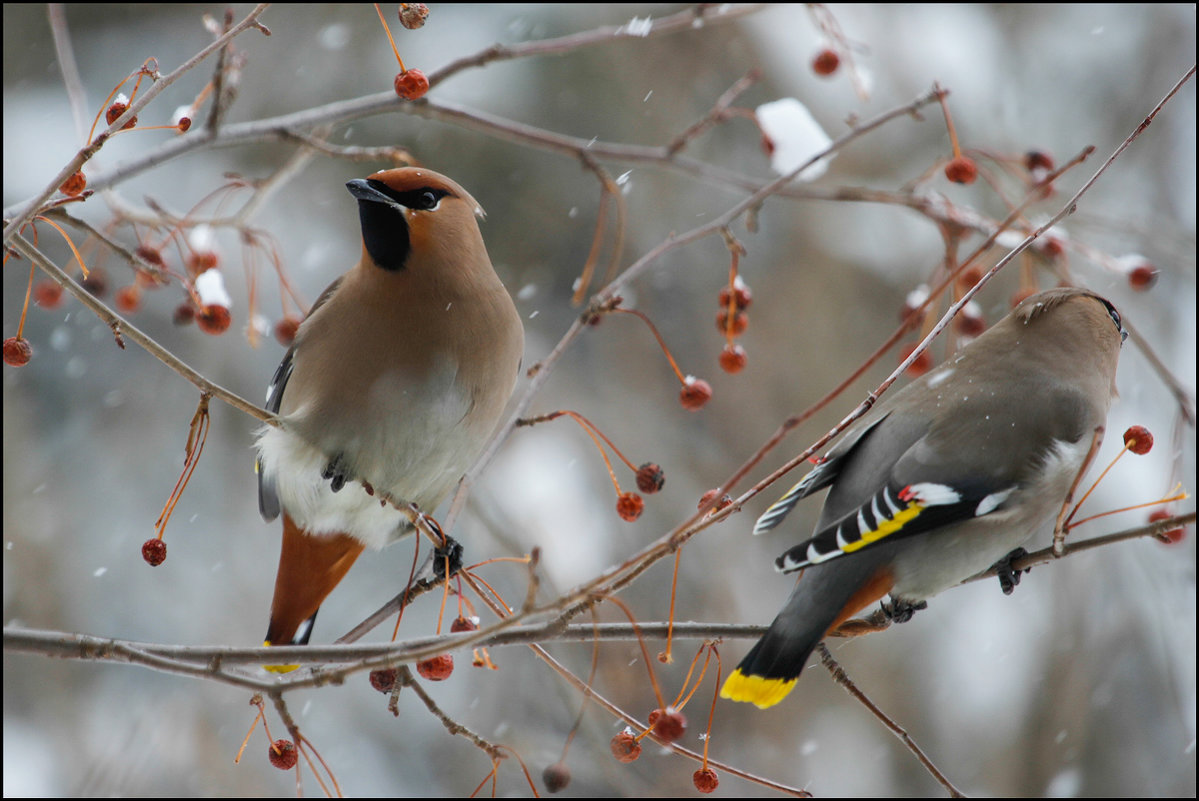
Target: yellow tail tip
{"x": 757, "y": 690}
{"x": 277, "y": 668}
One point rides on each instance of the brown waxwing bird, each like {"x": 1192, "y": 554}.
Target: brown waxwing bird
{"x": 397, "y": 377}
{"x": 944, "y": 478}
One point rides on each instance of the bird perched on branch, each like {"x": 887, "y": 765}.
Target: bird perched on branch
{"x": 944, "y": 478}
{"x": 395, "y": 381}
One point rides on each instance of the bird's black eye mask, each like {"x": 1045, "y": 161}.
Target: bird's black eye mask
{"x": 426, "y": 198}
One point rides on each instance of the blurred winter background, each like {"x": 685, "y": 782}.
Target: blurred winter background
{"x": 1081, "y": 684}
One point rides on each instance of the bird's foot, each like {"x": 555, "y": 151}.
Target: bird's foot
{"x": 447, "y": 558}
{"x": 336, "y": 473}
{"x": 1009, "y": 577}
{"x": 901, "y": 611}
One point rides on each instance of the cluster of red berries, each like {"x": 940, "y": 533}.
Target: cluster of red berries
{"x": 732, "y": 321}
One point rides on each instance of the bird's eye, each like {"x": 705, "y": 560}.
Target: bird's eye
{"x": 427, "y": 200}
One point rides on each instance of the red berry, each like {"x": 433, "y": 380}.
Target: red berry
{"x": 733, "y": 359}
{"x": 1138, "y": 440}
{"x": 650, "y": 478}
{"x": 128, "y": 298}
{"x": 741, "y": 295}
{"x": 556, "y": 777}
{"x": 463, "y": 624}
{"x": 436, "y": 668}
{"x": 961, "y": 170}
{"x": 214, "y": 319}
{"x": 411, "y": 84}
{"x": 118, "y": 108}
{"x": 1038, "y": 160}
{"x": 151, "y": 255}
{"x": 285, "y": 330}
{"x": 724, "y": 501}
{"x": 1142, "y": 276}
{"x": 1173, "y": 535}
{"x": 705, "y": 780}
{"x": 695, "y": 393}
{"x": 413, "y": 15}
{"x": 282, "y": 754}
{"x": 739, "y": 324}
{"x": 74, "y": 186}
{"x": 199, "y": 261}
{"x": 184, "y": 314}
{"x": 47, "y": 294}
{"x": 629, "y": 506}
{"x": 625, "y": 747}
{"x": 384, "y": 679}
{"x": 17, "y": 351}
{"x": 183, "y": 124}
{"x": 668, "y": 724}
{"x": 922, "y": 364}
{"x": 826, "y": 62}
{"x": 96, "y": 282}
{"x": 154, "y": 551}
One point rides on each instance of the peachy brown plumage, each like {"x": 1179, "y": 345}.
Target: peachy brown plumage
{"x": 397, "y": 377}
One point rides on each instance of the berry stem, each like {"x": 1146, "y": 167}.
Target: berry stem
{"x": 673, "y": 365}
{"x": 394, "y": 49}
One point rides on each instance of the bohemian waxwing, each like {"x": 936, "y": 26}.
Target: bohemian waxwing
{"x": 397, "y": 377}
{"x": 944, "y": 478}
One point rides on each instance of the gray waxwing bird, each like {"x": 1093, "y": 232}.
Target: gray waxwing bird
{"x": 944, "y": 478}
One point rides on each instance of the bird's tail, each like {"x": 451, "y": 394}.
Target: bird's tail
{"x": 310, "y": 566}
{"x": 824, "y": 598}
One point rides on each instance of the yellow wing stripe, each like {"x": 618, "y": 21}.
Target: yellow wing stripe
{"x": 757, "y": 690}
{"x": 885, "y": 528}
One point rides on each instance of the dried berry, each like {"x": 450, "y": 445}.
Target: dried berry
{"x": 705, "y": 780}
{"x": 411, "y": 84}
{"x": 668, "y": 724}
{"x": 154, "y": 551}
{"x": 650, "y": 478}
{"x": 17, "y": 351}
{"x": 74, "y": 186}
{"x": 741, "y": 296}
{"x": 629, "y": 506}
{"x": 436, "y": 668}
{"x": 462, "y": 623}
{"x": 826, "y": 62}
{"x": 733, "y": 359}
{"x": 625, "y": 747}
{"x": 118, "y": 107}
{"x": 282, "y": 754}
{"x": 384, "y": 679}
{"x": 961, "y": 170}
{"x": 724, "y": 501}
{"x": 214, "y": 319}
{"x": 413, "y": 15}
{"x": 1138, "y": 440}
{"x": 556, "y": 777}
{"x": 695, "y": 393}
